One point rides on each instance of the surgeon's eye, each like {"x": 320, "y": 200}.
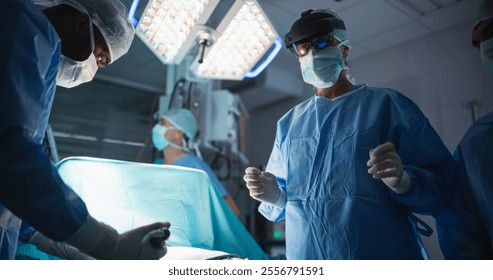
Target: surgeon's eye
{"x": 303, "y": 49}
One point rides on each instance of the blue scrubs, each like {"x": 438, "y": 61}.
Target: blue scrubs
{"x": 29, "y": 186}
{"x": 335, "y": 209}
{"x": 194, "y": 162}
{"x": 471, "y": 235}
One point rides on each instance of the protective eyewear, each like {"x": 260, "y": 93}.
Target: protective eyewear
{"x": 319, "y": 42}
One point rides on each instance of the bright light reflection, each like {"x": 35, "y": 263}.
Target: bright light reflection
{"x": 166, "y": 24}
{"x": 248, "y": 36}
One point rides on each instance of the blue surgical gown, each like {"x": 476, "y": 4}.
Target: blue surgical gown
{"x": 195, "y": 162}
{"x": 470, "y": 235}
{"x": 335, "y": 209}
{"x": 29, "y": 185}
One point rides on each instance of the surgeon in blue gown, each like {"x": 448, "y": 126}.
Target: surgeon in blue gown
{"x": 471, "y": 237}
{"x": 174, "y": 136}
{"x": 351, "y": 164}
{"x": 62, "y": 44}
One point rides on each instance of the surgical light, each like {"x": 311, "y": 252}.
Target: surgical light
{"x": 235, "y": 37}
{"x": 167, "y": 27}
{"x": 246, "y": 35}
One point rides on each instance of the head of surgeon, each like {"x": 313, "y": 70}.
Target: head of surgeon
{"x": 176, "y": 130}
{"x": 319, "y": 40}
{"x": 482, "y": 34}
{"x": 94, "y": 33}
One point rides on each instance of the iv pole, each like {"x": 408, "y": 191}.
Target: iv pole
{"x": 470, "y": 106}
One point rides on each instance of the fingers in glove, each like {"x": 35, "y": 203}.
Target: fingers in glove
{"x": 381, "y": 149}
{"x": 253, "y": 171}
{"x": 255, "y": 184}
{"x": 384, "y": 166}
{"x": 153, "y": 226}
{"x": 256, "y": 191}
{"x": 251, "y": 178}
{"x": 383, "y": 157}
{"x": 269, "y": 176}
{"x": 388, "y": 173}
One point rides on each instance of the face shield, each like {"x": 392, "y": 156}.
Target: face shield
{"x": 109, "y": 16}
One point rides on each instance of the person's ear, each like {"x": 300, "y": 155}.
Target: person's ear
{"x": 345, "y": 52}
{"x": 180, "y": 134}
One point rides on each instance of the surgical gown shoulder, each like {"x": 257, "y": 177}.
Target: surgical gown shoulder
{"x": 479, "y": 132}
{"x": 29, "y": 59}
{"x": 23, "y": 15}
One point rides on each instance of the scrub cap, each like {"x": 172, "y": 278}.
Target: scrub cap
{"x": 485, "y": 11}
{"x": 313, "y": 22}
{"x": 182, "y": 119}
{"x": 111, "y": 18}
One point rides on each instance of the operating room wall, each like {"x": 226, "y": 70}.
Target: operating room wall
{"x": 99, "y": 119}
{"x": 440, "y": 72}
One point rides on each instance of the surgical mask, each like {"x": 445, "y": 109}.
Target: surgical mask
{"x": 159, "y": 139}
{"x": 72, "y": 73}
{"x": 321, "y": 68}
{"x": 486, "y": 47}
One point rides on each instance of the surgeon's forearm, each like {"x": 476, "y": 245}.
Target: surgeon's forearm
{"x": 59, "y": 249}
{"x": 32, "y": 189}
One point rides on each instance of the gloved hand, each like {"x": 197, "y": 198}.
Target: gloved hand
{"x": 386, "y": 164}
{"x": 58, "y": 249}
{"x": 263, "y": 187}
{"x": 104, "y": 242}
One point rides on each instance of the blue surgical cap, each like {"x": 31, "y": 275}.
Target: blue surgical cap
{"x": 182, "y": 119}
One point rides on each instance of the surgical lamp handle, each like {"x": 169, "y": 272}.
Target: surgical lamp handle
{"x": 203, "y": 44}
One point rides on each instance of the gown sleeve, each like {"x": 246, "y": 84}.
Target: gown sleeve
{"x": 29, "y": 185}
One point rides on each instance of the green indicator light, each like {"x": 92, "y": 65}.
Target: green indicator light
{"x": 277, "y": 234}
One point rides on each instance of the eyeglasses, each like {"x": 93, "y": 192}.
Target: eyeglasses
{"x": 486, "y": 34}
{"x": 319, "y": 42}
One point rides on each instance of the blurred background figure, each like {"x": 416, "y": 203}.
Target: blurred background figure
{"x": 174, "y": 136}
{"x": 473, "y": 237}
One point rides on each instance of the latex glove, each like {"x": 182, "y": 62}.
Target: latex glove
{"x": 104, "y": 242}
{"x": 263, "y": 187}
{"x": 386, "y": 164}
{"x": 58, "y": 249}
